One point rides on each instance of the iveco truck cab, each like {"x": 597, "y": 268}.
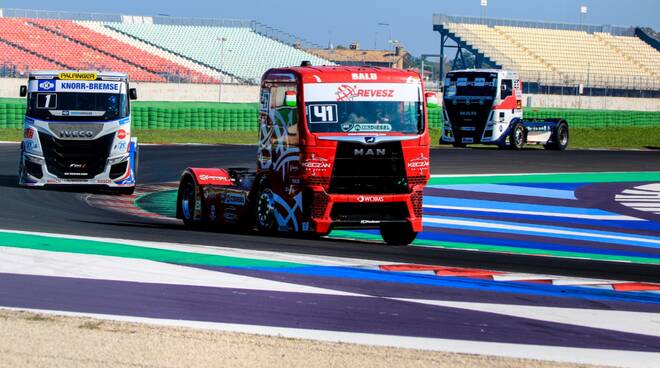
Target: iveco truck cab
{"x": 486, "y": 106}
{"x": 77, "y": 130}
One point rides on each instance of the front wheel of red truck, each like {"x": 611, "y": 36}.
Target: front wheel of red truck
{"x": 397, "y": 233}
{"x": 264, "y": 209}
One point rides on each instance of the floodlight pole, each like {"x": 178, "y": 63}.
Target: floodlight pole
{"x": 389, "y": 28}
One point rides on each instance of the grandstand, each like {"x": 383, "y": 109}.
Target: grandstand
{"x": 604, "y": 59}
{"x": 149, "y": 49}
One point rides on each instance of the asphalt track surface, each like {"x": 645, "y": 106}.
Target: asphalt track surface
{"x": 64, "y": 211}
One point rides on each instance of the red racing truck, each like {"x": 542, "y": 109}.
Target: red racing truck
{"x": 339, "y": 148}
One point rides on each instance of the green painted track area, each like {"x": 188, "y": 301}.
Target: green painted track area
{"x": 523, "y": 229}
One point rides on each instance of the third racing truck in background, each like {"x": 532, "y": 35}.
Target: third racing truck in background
{"x": 485, "y": 106}
{"x": 339, "y": 147}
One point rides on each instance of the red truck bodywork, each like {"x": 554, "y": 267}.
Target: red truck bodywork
{"x": 356, "y": 173}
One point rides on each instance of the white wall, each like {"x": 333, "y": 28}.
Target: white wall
{"x": 244, "y": 93}
{"x": 166, "y": 91}
{"x": 593, "y": 102}
{"x": 195, "y": 92}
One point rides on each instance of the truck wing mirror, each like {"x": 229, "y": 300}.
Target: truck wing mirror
{"x": 431, "y": 100}
{"x": 23, "y": 91}
{"x": 290, "y": 99}
{"x": 132, "y": 94}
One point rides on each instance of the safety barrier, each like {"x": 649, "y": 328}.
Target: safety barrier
{"x": 244, "y": 116}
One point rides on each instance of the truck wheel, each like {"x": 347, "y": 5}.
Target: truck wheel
{"x": 560, "y": 139}
{"x": 264, "y": 210}
{"x": 517, "y": 138}
{"x": 187, "y": 201}
{"x": 397, "y": 233}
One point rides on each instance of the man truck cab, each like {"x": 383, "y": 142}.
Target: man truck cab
{"x": 485, "y": 106}
{"x": 77, "y": 130}
{"x": 339, "y": 147}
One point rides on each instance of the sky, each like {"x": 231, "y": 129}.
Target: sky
{"x": 342, "y": 22}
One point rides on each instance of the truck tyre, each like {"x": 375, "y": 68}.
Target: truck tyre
{"x": 560, "y": 138}
{"x": 517, "y": 137}
{"x": 264, "y": 209}
{"x": 397, "y": 233}
{"x": 187, "y": 199}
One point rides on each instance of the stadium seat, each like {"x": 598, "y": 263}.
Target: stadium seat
{"x": 66, "y": 52}
{"x": 566, "y": 56}
{"x": 244, "y": 53}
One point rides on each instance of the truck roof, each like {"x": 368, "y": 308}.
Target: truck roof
{"x": 38, "y": 74}
{"x": 338, "y": 74}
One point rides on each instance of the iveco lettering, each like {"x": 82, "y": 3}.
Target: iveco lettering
{"x": 333, "y": 154}
{"x": 77, "y": 131}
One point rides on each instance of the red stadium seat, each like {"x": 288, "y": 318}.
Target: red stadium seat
{"x": 122, "y": 51}
{"x": 65, "y": 51}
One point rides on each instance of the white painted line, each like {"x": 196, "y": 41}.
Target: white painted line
{"x": 535, "y": 213}
{"x": 218, "y": 250}
{"x": 511, "y": 226}
{"x": 618, "y": 358}
{"x": 531, "y": 173}
{"x": 643, "y": 323}
{"x": 653, "y": 187}
{"x": 95, "y": 267}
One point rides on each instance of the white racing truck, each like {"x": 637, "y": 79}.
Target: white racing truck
{"x": 485, "y": 106}
{"x": 77, "y": 131}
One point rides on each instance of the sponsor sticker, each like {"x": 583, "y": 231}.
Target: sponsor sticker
{"x": 371, "y": 199}
{"x": 46, "y": 86}
{"x": 77, "y": 76}
{"x": 354, "y": 128}
{"x": 346, "y": 92}
{"x": 94, "y": 86}
{"x": 421, "y": 163}
{"x": 364, "y": 76}
{"x": 233, "y": 199}
{"x": 121, "y": 134}
{"x": 205, "y": 177}
{"x": 349, "y": 92}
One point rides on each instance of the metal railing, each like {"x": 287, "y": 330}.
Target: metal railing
{"x": 439, "y": 19}
{"x": 263, "y": 29}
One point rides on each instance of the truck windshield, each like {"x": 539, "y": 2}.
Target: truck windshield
{"x": 365, "y": 116}
{"x": 470, "y": 85}
{"x": 72, "y": 106}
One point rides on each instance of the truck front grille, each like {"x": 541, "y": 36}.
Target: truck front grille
{"x": 76, "y": 159}
{"x": 369, "y": 169}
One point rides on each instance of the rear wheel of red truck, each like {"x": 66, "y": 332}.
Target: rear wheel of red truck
{"x": 397, "y": 233}
{"x": 187, "y": 199}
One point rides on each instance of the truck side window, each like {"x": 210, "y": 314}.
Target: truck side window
{"x": 282, "y": 115}
{"x": 507, "y": 88}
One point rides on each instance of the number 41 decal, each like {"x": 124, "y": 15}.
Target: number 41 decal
{"x": 323, "y": 113}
